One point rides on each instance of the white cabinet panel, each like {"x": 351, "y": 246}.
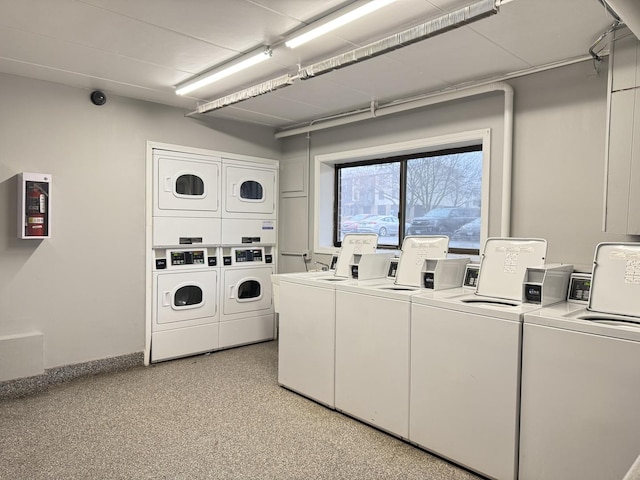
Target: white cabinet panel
{"x": 625, "y": 63}
{"x": 622, "y": 200}
{"x": 633, "y": 219}
{"x": 306, "y": 345}
{"x": 372, "y": 360}
{"x": 620, "y": 156}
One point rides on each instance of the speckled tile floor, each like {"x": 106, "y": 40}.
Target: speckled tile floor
{"x": 217, "y": 416}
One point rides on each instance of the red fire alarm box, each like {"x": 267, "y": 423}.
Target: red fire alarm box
{"x": 34, "y": 205}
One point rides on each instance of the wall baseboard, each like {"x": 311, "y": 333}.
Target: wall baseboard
{"x": 21, "y": 387}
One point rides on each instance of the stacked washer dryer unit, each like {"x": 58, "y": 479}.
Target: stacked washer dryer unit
{"x": 249, "y": 192}
{"x": 185, "y": 233}
{"x": 465, "y": 362}
{"x": 213, "y": 239}
{"x": 581, "y": 377}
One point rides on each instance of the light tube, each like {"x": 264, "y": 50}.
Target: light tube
{"x": 247, "y": 93}
{"x": 444, "y": 23}
{"x": 207, "y": 79}
{"x": 337, "y": 22}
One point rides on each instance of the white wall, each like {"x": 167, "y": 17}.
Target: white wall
{"x": 559, "y": 144}
{"x": 84, "y": 287}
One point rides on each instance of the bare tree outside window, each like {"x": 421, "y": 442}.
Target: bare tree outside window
{"x": 451, "y": 180}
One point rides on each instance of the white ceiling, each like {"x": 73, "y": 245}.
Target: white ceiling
{"x": 142, "y": 48}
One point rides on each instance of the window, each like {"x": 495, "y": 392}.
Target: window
{"x": 435, "y": 192}
{"x": 325, "y": 189}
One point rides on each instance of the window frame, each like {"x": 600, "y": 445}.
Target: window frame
{"x": 324, "y": 177}
{"x": 403, "y": 161}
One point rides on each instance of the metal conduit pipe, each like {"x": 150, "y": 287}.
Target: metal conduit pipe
{"x": 390, "y": 109}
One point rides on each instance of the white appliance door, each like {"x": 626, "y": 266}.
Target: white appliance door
{"x": 580, "y": 397}
{"x": 185, "y": 298}
{"x": 186, "y": 185}
{"x": 247, "y": 290}
{"x": 249, "y": 190}
{"x": 306, "y": 340}
{"x": 372, "y": 360}
{"x": 464, "y": 388}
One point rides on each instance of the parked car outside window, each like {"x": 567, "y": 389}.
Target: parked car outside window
{"x": 443, "y": 221}
{"x": 350, "y": 224}
{"x": 469, "y": 231}
{"x": 384, "y": 226}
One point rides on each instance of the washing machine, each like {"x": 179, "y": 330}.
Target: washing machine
{"x": 185, "y": 312}
{"x": 581, "y": 377}
{"x": 465, "y": 363}
{"x": 249, "y": 193}
{"x": 372, "y": 339}
{"x": 307, "y": 323}
{"x": 186, "y": 199}
{"x": 247, "y": 314}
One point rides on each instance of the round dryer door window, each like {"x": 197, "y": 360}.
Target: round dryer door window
{"x": 251, "y": 190}
{"x": 189, "y": 185}
{"x": 189, "y": 296}
{"x": 249, "y": 290}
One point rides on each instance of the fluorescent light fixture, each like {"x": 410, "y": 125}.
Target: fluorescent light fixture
{"x": 463, "y": 16}
{"x": 247, "y": 93}
{"x": 230, "y": 68}
{"x": 444, "y": 23}
{"x": 337, "y": 22}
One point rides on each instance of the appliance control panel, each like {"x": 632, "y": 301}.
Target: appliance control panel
{"x": 393, "y": 268}
{"x": 533, "y": 292}
{"x": 428, "y": 280}
{"x": 184, "y": 258}
{"x": 249, "y": 255}
{"x": 354, "y": 271}
{"x": 579, "y": 288}
{"x": 187, "y": 257}
{"x": 471, "y": 276}
{"x": 244, "y": 256}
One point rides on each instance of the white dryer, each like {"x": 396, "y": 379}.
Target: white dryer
{"x": 581, "y": 377}
{"x": 247, "y": 314}
{"x": 249, "y": 196}
{"x": 185, "y": 311}
{"x": 465, "y": 363}
{"x": 186, "y": 198}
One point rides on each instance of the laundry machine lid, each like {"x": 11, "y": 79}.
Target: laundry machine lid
{"x": 615, "y": 286}
{"x": 504, "y": 264}
{"x": 353, "y": 243}
{"x": 415, "y": 250}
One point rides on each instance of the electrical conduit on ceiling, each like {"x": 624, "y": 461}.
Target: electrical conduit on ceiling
{"x": 393, "y": 108}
